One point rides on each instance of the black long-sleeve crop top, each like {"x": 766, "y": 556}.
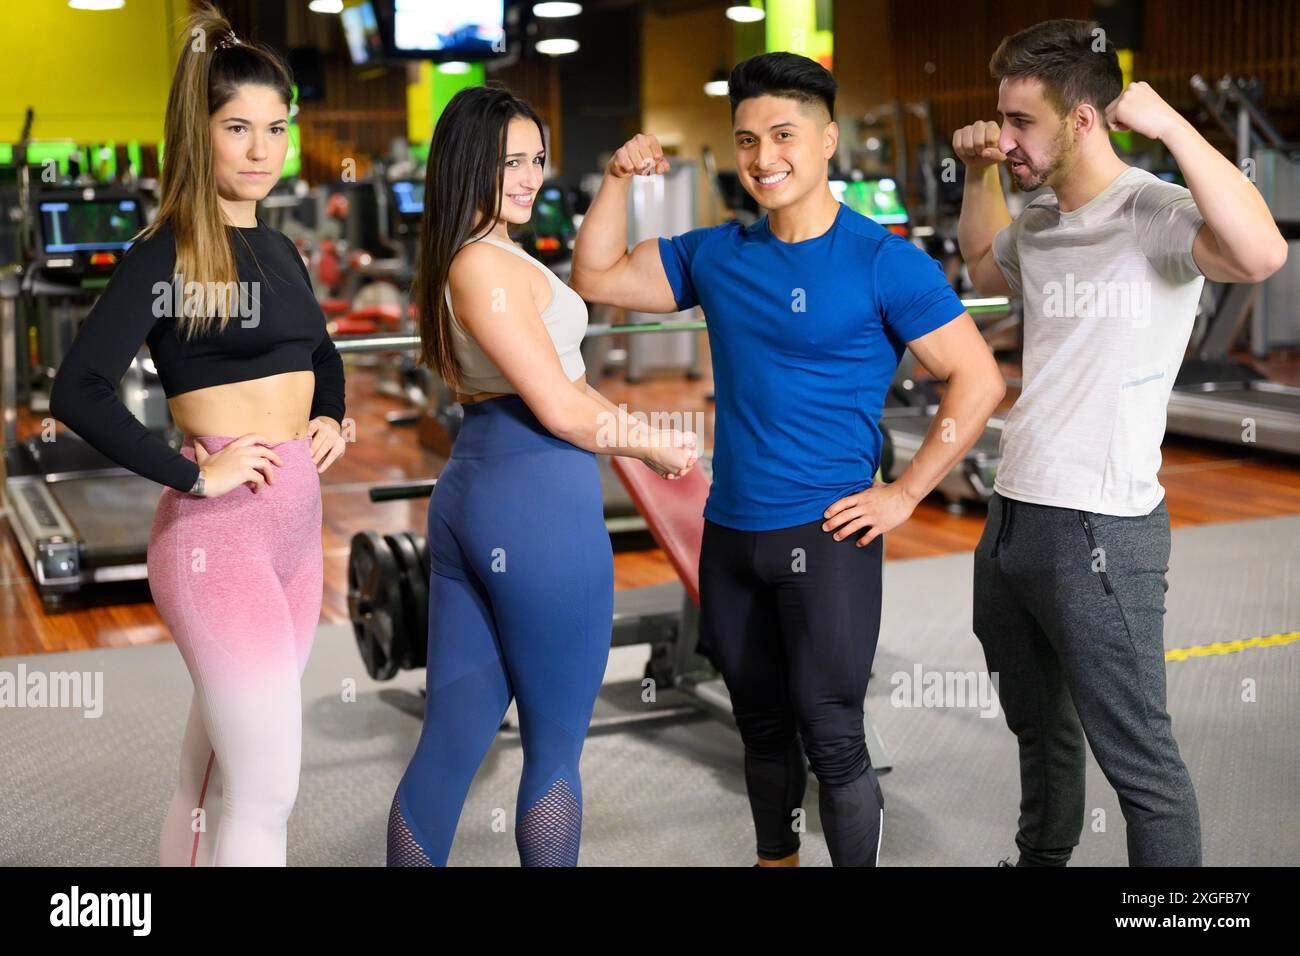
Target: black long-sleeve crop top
{"x": 284, "y": 331}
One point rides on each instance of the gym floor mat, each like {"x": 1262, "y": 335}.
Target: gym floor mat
{"x": 84, "y": 790}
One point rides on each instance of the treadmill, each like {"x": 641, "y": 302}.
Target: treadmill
{"x": 970, "y": 480}
{"x": 1215, "y": 398}
{"x": 79, "y": 518}
{"x": 910, "y": 406}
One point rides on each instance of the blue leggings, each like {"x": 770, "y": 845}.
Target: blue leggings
{"x": 521, "y": 600}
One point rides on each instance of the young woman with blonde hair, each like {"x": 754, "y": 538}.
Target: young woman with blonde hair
{"x": 255, "y": 383}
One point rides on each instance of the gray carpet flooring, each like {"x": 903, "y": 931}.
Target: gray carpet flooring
{"x": 76, "y": 790}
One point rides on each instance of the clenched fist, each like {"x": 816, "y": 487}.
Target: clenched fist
{"x": 976, "y": 145}
{"x": 1140, "y": 109}
{"x": 639, "y": 156}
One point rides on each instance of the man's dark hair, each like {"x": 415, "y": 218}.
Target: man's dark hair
{"x": 1073, "y": 58}
{"x": 782, "y": 74}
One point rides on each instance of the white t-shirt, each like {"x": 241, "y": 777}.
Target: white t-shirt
{"x": 1110, "y": 293}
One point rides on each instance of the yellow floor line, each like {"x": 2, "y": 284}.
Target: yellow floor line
{"x": 1230, "y": 647}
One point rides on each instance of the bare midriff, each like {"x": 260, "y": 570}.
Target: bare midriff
{"x": 276, "y": 407}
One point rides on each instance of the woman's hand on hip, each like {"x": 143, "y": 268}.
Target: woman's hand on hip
{"x": 246, "y": 460}
{"x": 327, "y": 443}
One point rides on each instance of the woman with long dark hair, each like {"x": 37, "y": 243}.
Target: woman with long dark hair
{"x": 254, "y": 382}
{"x": 521, "y": 595}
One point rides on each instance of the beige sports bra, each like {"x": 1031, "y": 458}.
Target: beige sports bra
{"x": 566, "y": 321}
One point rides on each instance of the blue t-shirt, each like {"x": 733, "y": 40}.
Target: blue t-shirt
{"x": 806, "y": 337}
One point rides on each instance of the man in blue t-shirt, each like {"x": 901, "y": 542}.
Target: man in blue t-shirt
{"x": 808, "y": 313}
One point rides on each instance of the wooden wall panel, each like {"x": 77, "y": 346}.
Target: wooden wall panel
{"x": 1259, "y": 38}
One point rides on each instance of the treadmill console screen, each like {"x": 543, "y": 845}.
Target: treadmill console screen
{"x": 410, "y": 196}
{"x": 96, "y": 225}
{"x": 876, "y": 199}
{"x": 551, "y": 216}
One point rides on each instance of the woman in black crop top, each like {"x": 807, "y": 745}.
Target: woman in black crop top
{"x": 254, "y": 382}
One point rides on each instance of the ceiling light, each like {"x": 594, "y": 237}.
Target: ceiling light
{"x": 557, "y": 46}
{"x": 745, "y": 14}
{"x": 555, "y": 8}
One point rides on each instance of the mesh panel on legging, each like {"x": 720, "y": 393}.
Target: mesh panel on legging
{"x": 403, "y": 850}
{"x": 548, "y": 834}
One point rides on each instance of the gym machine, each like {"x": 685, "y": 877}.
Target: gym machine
{"x": 912, "y": 403}
{"x": 1217, "y": 398}
{"x": 78, "y": 517}
{"x": 1214, "y": 397}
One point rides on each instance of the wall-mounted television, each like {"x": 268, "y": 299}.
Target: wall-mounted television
{"x": 361, "y": 31}
{"x": 445, "y": 29}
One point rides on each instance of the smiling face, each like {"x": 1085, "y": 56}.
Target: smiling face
{"x": 782, "y": 146}
{"x": 249, "y": 140}
{"x": 523, "y": 163}
{"x": 1038, "y": 142}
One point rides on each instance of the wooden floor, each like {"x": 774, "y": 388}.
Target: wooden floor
{"x": 1204, "y": 482}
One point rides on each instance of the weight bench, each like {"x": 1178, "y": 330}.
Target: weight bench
{"x": 388, "y": 600}
{"x": 674, "y": 512}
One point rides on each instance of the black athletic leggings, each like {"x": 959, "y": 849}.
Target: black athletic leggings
{"x": 790, "y": 617}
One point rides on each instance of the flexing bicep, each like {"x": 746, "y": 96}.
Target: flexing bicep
{"x": 637, "y": 281}
{"x": 493, "y": 301}
{"x": 1212, "y": 261}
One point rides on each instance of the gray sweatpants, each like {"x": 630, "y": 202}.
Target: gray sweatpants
{"x": 1069, "y": 606}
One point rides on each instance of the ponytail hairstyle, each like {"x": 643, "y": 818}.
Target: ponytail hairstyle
{"x": 462, "y": 195}
{"x": 213, "y": 64}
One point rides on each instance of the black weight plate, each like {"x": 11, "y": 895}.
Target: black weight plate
{"x": 410, "y": 575}
{"x": 420, "y": 593}
{"x": 375, "y": 603}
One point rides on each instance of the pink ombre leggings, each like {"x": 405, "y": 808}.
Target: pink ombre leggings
{"x": 238, "y": 581}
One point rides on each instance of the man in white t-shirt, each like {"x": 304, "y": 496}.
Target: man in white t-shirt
{"x": 1070, "y": 571}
